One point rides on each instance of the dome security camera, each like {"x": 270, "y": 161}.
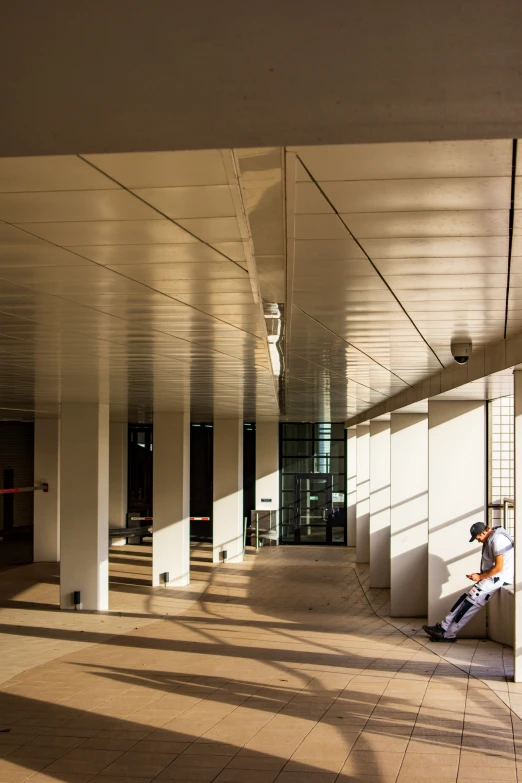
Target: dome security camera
{"x": 461, "y": 351}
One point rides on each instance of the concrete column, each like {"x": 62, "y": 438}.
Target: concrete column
{"x": 171, "y": 499}
{"x": 118, "y": 467}
{"x": 267, "y": 467}
{"x": 84, "y": 505}
{"x": 379, "y": 504}
{"x": 228, "y": 490}
{"x": 351, "y": 486}
{"x": 457, "y": 498}
{"x": 409, "y": 515}
{"x": 118, "y": 478}
{"x": 362, "y": 512}
{"x": 517, "y": 642}
{"x": 47, "y": 504}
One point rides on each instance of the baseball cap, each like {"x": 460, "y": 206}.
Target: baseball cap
{"x": 475, "y": 530}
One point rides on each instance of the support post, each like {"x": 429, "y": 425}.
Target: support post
{"x": 267, "y": 468}
{"x": 228, "y": 491}
{"x": 380, "y": 504}
{"x": 84, "y": 505}
{"x": 362, "y": 552}
{"x": 171, "y": 500}
{"x": 409, "y": 515}
{"x": 47, "y": 504}
{"x": 351, "y": 486}
{"x": 118, "y": 476}
{"x": 457, "y": 498}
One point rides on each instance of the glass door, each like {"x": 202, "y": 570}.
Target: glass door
{"x": 313, "y": 503}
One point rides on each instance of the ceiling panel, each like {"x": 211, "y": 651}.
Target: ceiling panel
{"x": 163, "y": 169}
{"x": 77, "y": 205}
{"x": 449, "y": 223}
{"x": 206, "y": 201}
{"x": 50, "y": 173}
{"x": 404, "y": 195}
{"x": 437, "y": 247}
{"x": 103, "y": 295}
{"x": 405, "y": 161}
{"x": 213, "y": 229}
{"x": 110, "y": 255}
{"x": 111, "y": 232}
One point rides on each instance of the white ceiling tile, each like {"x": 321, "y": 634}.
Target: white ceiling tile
{"x": 320, "y": 227}
{"x": 72, "y": 205}
{"x": 38, "y": 255}
{"x": 412, "y": 160}
{"x": 10, "y": 236}
{"x": 111, "y": 232}
{"x": 109, "y": 255}
{"x": 327, "y": 250}
{"x": 180, "y": 271}
{"x": 163, "y": 169}
{"x": 420, "y": 195}
{"x": 456, "y": 294}
{"x": 441, "y": 266}
{"x": 399, "y": 283}
{"x": 436, "y": 247}
{"x": 309, "y": 200}
{"x": 52, "y": 172}
{"x": 447, "y": 223}
{"x": 192, "y": 202}
{"x": 213, "y": 230}
{"x": 216, "y": 299}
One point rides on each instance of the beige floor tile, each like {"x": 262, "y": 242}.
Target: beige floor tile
{"x": 279, "y": 668}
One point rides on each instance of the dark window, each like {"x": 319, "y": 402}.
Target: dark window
{"x": 201, "y": 480}
{"x": 249, "y": 470}
{"x": 309, "y": 451}
{"x": 140, "y": 469}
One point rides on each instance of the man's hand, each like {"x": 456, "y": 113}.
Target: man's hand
{"x": 474, "y": 577}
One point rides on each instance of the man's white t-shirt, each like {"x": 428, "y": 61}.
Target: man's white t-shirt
{"x": 499, "y": 543}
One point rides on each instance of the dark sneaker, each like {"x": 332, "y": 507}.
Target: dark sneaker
{"x": 439, "y": 638}
{"x": 433, "y": 629}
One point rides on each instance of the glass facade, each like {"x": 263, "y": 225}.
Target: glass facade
{"x": 313, "y": 483}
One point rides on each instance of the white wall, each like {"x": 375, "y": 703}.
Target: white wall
{"x": 228, "y": 490}
{"x": 84, "y": 505}
{"x": 351, "y": 486}
{"x": 501, "y": 616}
{"x": 380, "y": 504}
{"x": 362, "y": 552}
{"x": 171, "y": 499}
{"x": 409, "y": 515}
{"x": 267, "y": 467}
{"x": 517, "y": 644}
{"x": 457, "y": 498}
{"x": 47, "y": 504}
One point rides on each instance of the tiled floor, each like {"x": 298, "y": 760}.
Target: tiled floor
{"x": 286, "y": 669}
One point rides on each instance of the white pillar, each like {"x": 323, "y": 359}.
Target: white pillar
{"x": 171, "y": 499}
{"x": 84, "y": 505}
{"x": 517, "y": 642}
{"x": 47, "y": 504}
{"x": 379, "y": 504}
{"x": 228, "y": 490}
{"x": 118, "y": 468}
{"x": 409, "y": 515}
{"x": 351, "y": 486}
{"x": 362, "y": 551}
{"x": 457, "y": 498}
{"x": 267, "y": 467}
